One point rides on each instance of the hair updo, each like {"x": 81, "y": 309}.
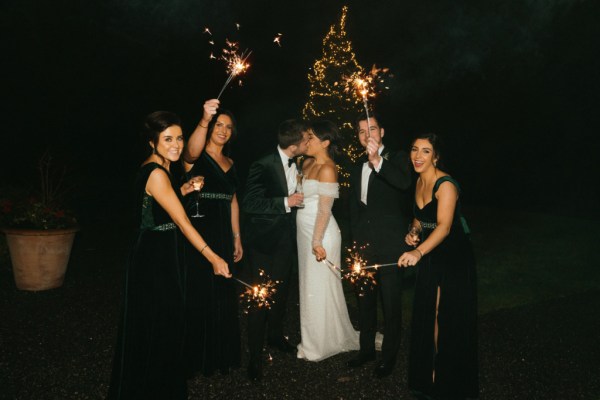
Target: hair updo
{"x": 154, "y": 124}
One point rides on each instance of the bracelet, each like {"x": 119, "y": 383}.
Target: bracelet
{"x": 202, "y": 126}
{"x": 236, "y": 235}
{"x": 419, "y": 251}
{"x": 205, "y": 246}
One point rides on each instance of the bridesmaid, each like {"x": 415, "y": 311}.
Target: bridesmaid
{"x": 212, "y": 321}
{"x": 148, "y": 357}
{"x": 443, "y": 344}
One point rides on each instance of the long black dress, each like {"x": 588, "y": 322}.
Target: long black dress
{"x": 148, "y": 356}
{"x": 213, "y": 326}
{"x": 451, "y": 267}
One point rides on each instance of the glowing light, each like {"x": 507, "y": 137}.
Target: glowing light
{"x": 357, "y": 273}
{"x": 278, "y": 39}
{"x": 235, "y": 62}
{"x": 259, "y": 296}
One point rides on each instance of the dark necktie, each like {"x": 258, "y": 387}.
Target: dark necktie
{"x": 291, "y": 161}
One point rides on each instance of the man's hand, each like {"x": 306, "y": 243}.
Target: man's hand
{"x": 373, "y": 152}
{"x": 295, "y": 199}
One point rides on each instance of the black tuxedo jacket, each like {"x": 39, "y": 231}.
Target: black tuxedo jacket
{"x": 383, "y": 222}
{"x": 265, "y": 218}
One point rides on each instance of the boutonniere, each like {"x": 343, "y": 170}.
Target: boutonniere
{"x": 386, "y": 156}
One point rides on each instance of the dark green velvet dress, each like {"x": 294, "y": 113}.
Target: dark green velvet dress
{"x": 213, "y": 328}
{"x": 148, "y": 356}
{"x": 451, "y": 267}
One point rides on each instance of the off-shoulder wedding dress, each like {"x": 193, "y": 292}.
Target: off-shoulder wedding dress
{"x": 324, "y": 322}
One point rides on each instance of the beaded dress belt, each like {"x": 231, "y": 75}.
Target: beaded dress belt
{"x": 428, "y": 225}
{"x": 215, "y": 196}
{"x": 164, "y": 227}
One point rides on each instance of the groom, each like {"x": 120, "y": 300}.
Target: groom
{"x": 270, "y": 232}
{"x": 378, "y": 217}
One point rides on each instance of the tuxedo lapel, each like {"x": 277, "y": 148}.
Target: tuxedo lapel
{"x": 280, "y": 173}
{"x": 357, "y": 178}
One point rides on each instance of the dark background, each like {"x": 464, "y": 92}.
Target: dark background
{"x": 511, "y": 85}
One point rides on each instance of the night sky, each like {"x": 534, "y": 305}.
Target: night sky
{"x": 511, "y": 85}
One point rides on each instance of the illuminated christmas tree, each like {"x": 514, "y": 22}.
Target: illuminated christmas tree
{"x": 329, "y": 97}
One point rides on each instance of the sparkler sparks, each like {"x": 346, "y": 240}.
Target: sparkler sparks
{"x": 357, "y": 273}
{"x": 277, "y": 39}
{"x": 236, "y": 63}
{"x": 206, "y": 30}
{"x": 259, "y": 296}
{"x": 364, "y": 86}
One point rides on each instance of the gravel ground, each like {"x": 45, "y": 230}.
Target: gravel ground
{"x": 58, "y": 344}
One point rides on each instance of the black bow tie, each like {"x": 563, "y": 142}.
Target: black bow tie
{"x": 291, "y": 161}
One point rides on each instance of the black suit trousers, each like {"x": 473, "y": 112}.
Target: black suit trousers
{"x": 389, "y": 290}
{"x": 279, "y": 265}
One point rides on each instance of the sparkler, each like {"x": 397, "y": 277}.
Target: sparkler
{"x": 278, "y": 39}
{"x": 364, "y": 85}
{"x": 334, "y": 268}
{"x": 236, "y": 63}
{"x": 259, "y": 296}
{"x": 357, "y": 273}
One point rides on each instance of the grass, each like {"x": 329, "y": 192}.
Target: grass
{"x": 524, "y": 257}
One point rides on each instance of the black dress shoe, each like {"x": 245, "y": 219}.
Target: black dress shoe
{"x": 282, "y": 345}
{"x": 361, "y": 359}
{"x": 254, "y": 371}
{"x": 383, "y": 369}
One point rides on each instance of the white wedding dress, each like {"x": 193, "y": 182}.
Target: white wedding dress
{"x": 324, "y": 323}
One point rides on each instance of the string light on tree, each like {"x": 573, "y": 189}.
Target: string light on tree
{"x": 328, "y": 97}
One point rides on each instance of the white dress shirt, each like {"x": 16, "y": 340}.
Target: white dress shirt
{"x": 366, "y": 173}
{"x": 290, "y": 176}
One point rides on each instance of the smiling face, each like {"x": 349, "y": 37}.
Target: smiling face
{"x": 222, "y": 131}
{"x": 422, "y": 155}
{"x": 170, "y": 143}
{"x": 370, "y": 129}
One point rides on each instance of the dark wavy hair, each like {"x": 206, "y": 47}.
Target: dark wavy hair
{"x": 155, "y": 123}
{"x": 327, "y": 130}
{"x": 436, "y": 144}
{"x": 213, "y": 122}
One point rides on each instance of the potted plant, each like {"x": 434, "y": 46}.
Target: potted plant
{"x": 39, "y": 232}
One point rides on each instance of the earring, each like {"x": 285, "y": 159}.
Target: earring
{"x": 154, "y": 150}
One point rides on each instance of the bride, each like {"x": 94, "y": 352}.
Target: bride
{"x": 324, "y": 323}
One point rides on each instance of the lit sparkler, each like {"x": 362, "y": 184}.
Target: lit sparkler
{"x": 277, "y": 39}
{"x": 259, "y": 296}
{"x": 364, "y": 86}
{"x": 357, "y": 273}
{"x": 236, "y": 63}
{"x": 206, "y": 30}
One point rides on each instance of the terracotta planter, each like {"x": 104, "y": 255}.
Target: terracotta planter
{"x": 39, "y": 257}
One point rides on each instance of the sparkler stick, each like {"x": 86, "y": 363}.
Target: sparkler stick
{"x": 334, "y": 268}
{"x": 243, "y": 283}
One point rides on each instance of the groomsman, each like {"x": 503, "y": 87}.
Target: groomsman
{"x": 269, "y": 204}
{"x": 378, "y": 217}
